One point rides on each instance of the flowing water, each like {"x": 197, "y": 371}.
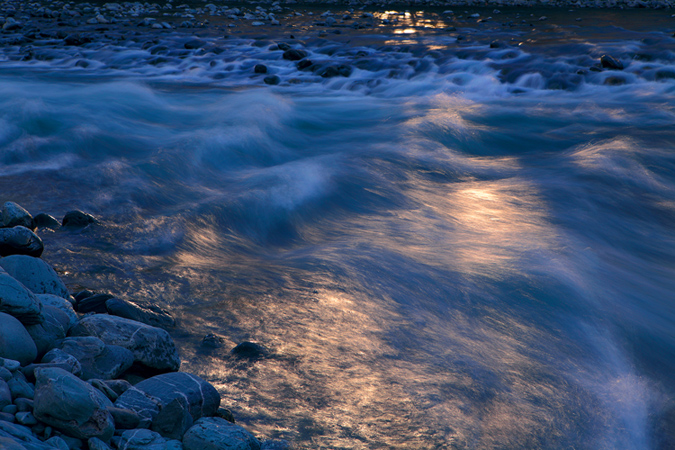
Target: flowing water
{"x": 457, "y": 247}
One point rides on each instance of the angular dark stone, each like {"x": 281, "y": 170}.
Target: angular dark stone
{"x": 52, "y": 329}
{"x": 295, "y": 54}
{"x": 194, "y": 44}
{"x": 14, "y": 215}
{"x": 226, "y": 414}
{"x": 98, "y": 359}
{"x": 609, "y": 62}
{"x": 94, "y": 303}
{"x": 212, "y": 341}
{"x": 260, "y": 68}
{"x": 145, "y": 312}
{"x": 77, "y": 219}
{"x": 43, "y": 220}
{"x": 20, "y": 241}
{"x": 173, "y": 419}
{"x": 283, "y": 46}
{"x": 250, "y": 350}
{"x": 272, "y": 80}
{"x": 125, "y": 419}
{"x": 304, "y": 64}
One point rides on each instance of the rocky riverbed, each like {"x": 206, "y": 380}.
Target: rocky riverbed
{"x": 91, "y": 371}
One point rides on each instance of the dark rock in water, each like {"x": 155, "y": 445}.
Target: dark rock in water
{"x": 141, "y": 439}
{"x": 272, "y": 80}
{"x": 334, "y": 71}
{"x": 214, "y": 433}
{"x": 276, "y": 445}
{"x": 72, "y": 406}
{"x": 76, "y": 40}
{"x": 125, "y": 419}
{"x": 14, "y": 215}
{"x": 614, "y": 81}
{"x": 151, "y": 346}
{"x": 98, "y": 359}
{"x": 283, "y": 46}
{"x": 665, "y": 74}
{"x": 94, "y": 303}
{"x": 18, "y": 301}
{"x": 295, "y": 54}
{"x": 260, "y": 68}
{"x": 35, "y": 274}
{"x": 77, "y": 219}
{"x": 146, "y": 313}
{"x": 226, "y": 414}
{"x": 212, "y": 341}
{"x": 194, "y": 44}
{"x": 15, "y": 342}
{"x": 497, "y": 44}
{"x": 53, "y": 328}
{"x": 304, "y": 64}
{"x": 83, "y": 294}
{"x": 250, "y": 350}
{"x": 609, "y": 62}
{"x": 43, "y": 220}
{"x": 20, "y": 241}
{"x": 20, "y": 387}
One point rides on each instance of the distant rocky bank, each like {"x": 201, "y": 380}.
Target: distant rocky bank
{"x": 92, "y": 371}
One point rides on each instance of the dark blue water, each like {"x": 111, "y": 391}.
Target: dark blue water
{"x": 461, "y": 248}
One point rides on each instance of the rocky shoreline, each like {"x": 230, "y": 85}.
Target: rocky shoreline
{"x": 91, "y": 371}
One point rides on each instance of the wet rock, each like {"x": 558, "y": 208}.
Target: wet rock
{"x": 14, "y": 215}
{"x": 250, "y": 350}
{"x": 141, "y": 439}
{"x": 82, "y": 295}
{"x": 18, "y": 301}
{"x": 212, "y": 341}
{"x": 173, "y": 419}
{"x": 61, "y": 303}
{"x": 15, "y": 342}
{"x": 272, "y": 80}
{"x": 260, "y": 68}
{"x": 276, "y": 445}
{"x": 334, "y": 71}
{"x": 43, "y": 220}
{"x": 665, "y": 74}
{"x": 77, "y": 219}
{"x": 98, "y": 360}
{"x": 95, "y": 303}
{"x": 214, "y": 433}
{"x": 35, "y": 274}
{"x": 76, "y": 40}
{"x": 295, "y": 54}
{"x": 146, "y": 313}
{"x": 20, "y": 241}
{"x": 53, "y": 328}
{"x": 614, "y": 81}
{"x": 67, "y": 403}
{"x": 283, "y": 46}
{"x": 151, "y": 346}
{"x": 609, "y": 62}
{"x": 194, "y": 44}
{"x": 226, "y": 414}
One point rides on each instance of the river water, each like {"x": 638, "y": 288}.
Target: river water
{"x": 459, "y": 246}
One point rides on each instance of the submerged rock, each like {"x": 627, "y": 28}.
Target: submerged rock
{"x": 294, "y": 54}
{"x": 43, "y": 220}
{"x": 147, "y": 313}
{"x": 151, "y": 346}
{"x": 609, "y": 62}
{"x": 77, "y": 219}
{"x": 15, "y": 342}
{"x": 250, "y": 350}
{"x": 35, "y": 274}
{"x": 13, "y": 215}
{"x": 72, "y": 406}
{"x": 214, "y": 433}
{"x": 20, "y": 241}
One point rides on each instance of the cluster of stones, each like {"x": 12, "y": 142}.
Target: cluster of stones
{"x": 65, "y": 360}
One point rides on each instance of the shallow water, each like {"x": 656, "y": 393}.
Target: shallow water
{"x": 457, "y": 246}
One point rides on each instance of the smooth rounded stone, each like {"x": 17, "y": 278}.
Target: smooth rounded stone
{"x": 193, "y": 44}
{"x": 15, "y": 341}
{"x": 226, "y": 414}
{"x": 24, "y": 404}
{"x": 5, "y": 374}
{"x": 334, "y": 71}
{"x": 57, "y": 442}
{"x": 125, "y": 419}
{"x": 260, "y": 68}
{"x": 5, "y": 394}
{"x": 7, "y": 417}
{"x": 97, "y": 444}
{"x": 26, "y": 418}
{"x": 10, "y": 409}
{"x": 54, "y": 328}
{"x": 77, "y": 219}
{"x": 66, "y": 360}
{"x": 94, "y": 303}
{"x": 35, "y": 274}
{"x": 608, "y": 62}
{"x": 214, "y": 433}
{"x": 20, "y": 387}
{"x": 272, "y": 80}
{"x": 71, "y": 405}
{"x": 10, "y": 364}
{"x": 22, "y": 434}
{"x": 295, "y": 54}
{"x": 43, "y": 220}
{"x": 151, "y": 346}
{"x": 13, "y": 215}
{"x": 20, "y": 241}
{"x": 63, "y": 304}
{"x": 147, "y": 313}
{"x": 18, "y": 301}
{"x": 10, "y": 444}
{"x": 97, "y": 359}
{"x": 250, "y": 350}
{"x": 142, "y": 439}
{"x": 82, "y": 295}
{"x": 304, "y": 64}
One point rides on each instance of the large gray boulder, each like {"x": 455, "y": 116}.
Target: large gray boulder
{"x": 15, "y": 342}
{"x": 71, "y": 405}
{"x": 18, "y": 301}
{"x": 151, "y": 346}
{"x": 38, "y": 276}
{"x": 98, "y": 360}
{"x": 141, "y": 439}
{"x": 20, "y": 241}
{"x": 54, "y": 328}
{"x": 214, "y": 433}
{"x": 13, "y": 215}
{"x": 172, "y": 401}
{"x": 61, "y": 303}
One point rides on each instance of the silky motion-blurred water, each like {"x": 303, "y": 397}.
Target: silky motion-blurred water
{"x": 457, "y": 256}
